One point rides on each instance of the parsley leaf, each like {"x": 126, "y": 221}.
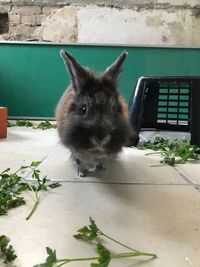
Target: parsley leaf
{"x": 104, "y": 256}
{"x": 50, "y": 260}
{"x": 6, "y": 251}
{"x": 44, "y": 125}
{"x": 12, "y": 185}
{"x": 88, "y": 233}
{"x": 22, "y": 123}
{"x": 172, "y": 151}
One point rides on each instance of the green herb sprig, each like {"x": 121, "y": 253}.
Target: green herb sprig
{"x": 104, "y": 257}
{"x": 20, "y": 123}
{"x": 7, "y": 252}
{"x": 12, "y": 185}
{"x": 173, "y": 151}
{"x": 44, "y": 125}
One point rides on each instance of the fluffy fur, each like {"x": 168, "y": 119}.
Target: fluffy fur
{"x": 92, "y": 116}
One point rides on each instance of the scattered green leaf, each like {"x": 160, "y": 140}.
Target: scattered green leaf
{"x": 44, "y": 125}
{"x": 90, "y": 233}
{"x": 7, "y": 252}
{"x": 104, "y": 256}
{"x": 172, "y": 151}
{"x": 50, "y": 260}
{"x": 25, "y": 123}
{"x": 12, "y": 185}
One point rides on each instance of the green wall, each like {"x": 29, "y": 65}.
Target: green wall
{"x": 33, "y": 76}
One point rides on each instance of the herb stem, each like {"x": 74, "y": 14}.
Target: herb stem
{"x": 65, "y": 261}
{"x": 37, "y": 201}
{"x": 31, "y": 189}
{"x": 119, "y": 243}
{"x": 133, "y": 254}
{"x": 154, "y": 153}
{"x": 112, "y": 256}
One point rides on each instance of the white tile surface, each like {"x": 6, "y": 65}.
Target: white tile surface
{"x": 161, "y": 219}
{"x": 191, "y": 171}
{"x": 24, "y": 145}
{"x": 131, "y": 166}
{"x": 153, "y": 209}
{"x": 147, "y": 135}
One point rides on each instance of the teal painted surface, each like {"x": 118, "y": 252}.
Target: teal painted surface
{"x": 33, "y": 76}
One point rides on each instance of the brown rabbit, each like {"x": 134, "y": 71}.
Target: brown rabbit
{"x": 92, "y": 116}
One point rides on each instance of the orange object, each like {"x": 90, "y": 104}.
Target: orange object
{"x": 3, "y": 122}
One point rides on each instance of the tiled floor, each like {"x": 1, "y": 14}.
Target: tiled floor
{"x": 153, "y": 209}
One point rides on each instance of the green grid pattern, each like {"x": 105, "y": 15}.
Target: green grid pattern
{"x": 173, "y": 103}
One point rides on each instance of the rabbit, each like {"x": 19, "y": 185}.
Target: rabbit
{"x": 92, "y": 116}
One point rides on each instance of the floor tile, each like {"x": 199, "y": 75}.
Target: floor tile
{"x": 131, "y": 166}
{"x": 160, "y": 219}
{"x": 147, "y": 135}
{"x": 24, "y": 145}
{"x": 153, "y": 209}
{"x": 191, "y": 171}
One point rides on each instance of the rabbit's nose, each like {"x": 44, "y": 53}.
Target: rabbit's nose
{"x": 100, "y": 141}
{"x": 106, "y": 139}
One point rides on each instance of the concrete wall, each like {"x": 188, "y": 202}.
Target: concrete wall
{"x": 116, "y": 3}
{"x": 149, "y": 22}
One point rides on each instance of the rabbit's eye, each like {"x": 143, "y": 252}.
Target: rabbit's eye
{"x": 83, "y": 109}
{"x": 115, "y": 108}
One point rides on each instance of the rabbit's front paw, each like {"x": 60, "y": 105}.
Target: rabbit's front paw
{"x": 100, "y": 166}
{"x": 81, "y": 172}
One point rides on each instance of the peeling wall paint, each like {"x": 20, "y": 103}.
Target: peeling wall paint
{"x": 196, "y": 31}
{"x": 155, "y": 21}
{"x": 61, "y": 26}
{"x": 177, "y": 32}
{"x": 126, "y": 26}
{"x": 134, "y": 22}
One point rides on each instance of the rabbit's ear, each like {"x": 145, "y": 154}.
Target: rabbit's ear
{"x": 113, "y": 71}
{"x": 77, "y": 73}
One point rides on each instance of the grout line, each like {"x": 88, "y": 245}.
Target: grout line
{"x": 42, "y": 160}
{"x": 188, "y": 181}
{"x": 143, "y": 138}
{"x": 108, "y": 182}
{"x": 52, "y": 151}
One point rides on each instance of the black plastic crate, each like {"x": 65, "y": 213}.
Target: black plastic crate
{"x": 174, "y": 105}
{"x": 169, "y": 103}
